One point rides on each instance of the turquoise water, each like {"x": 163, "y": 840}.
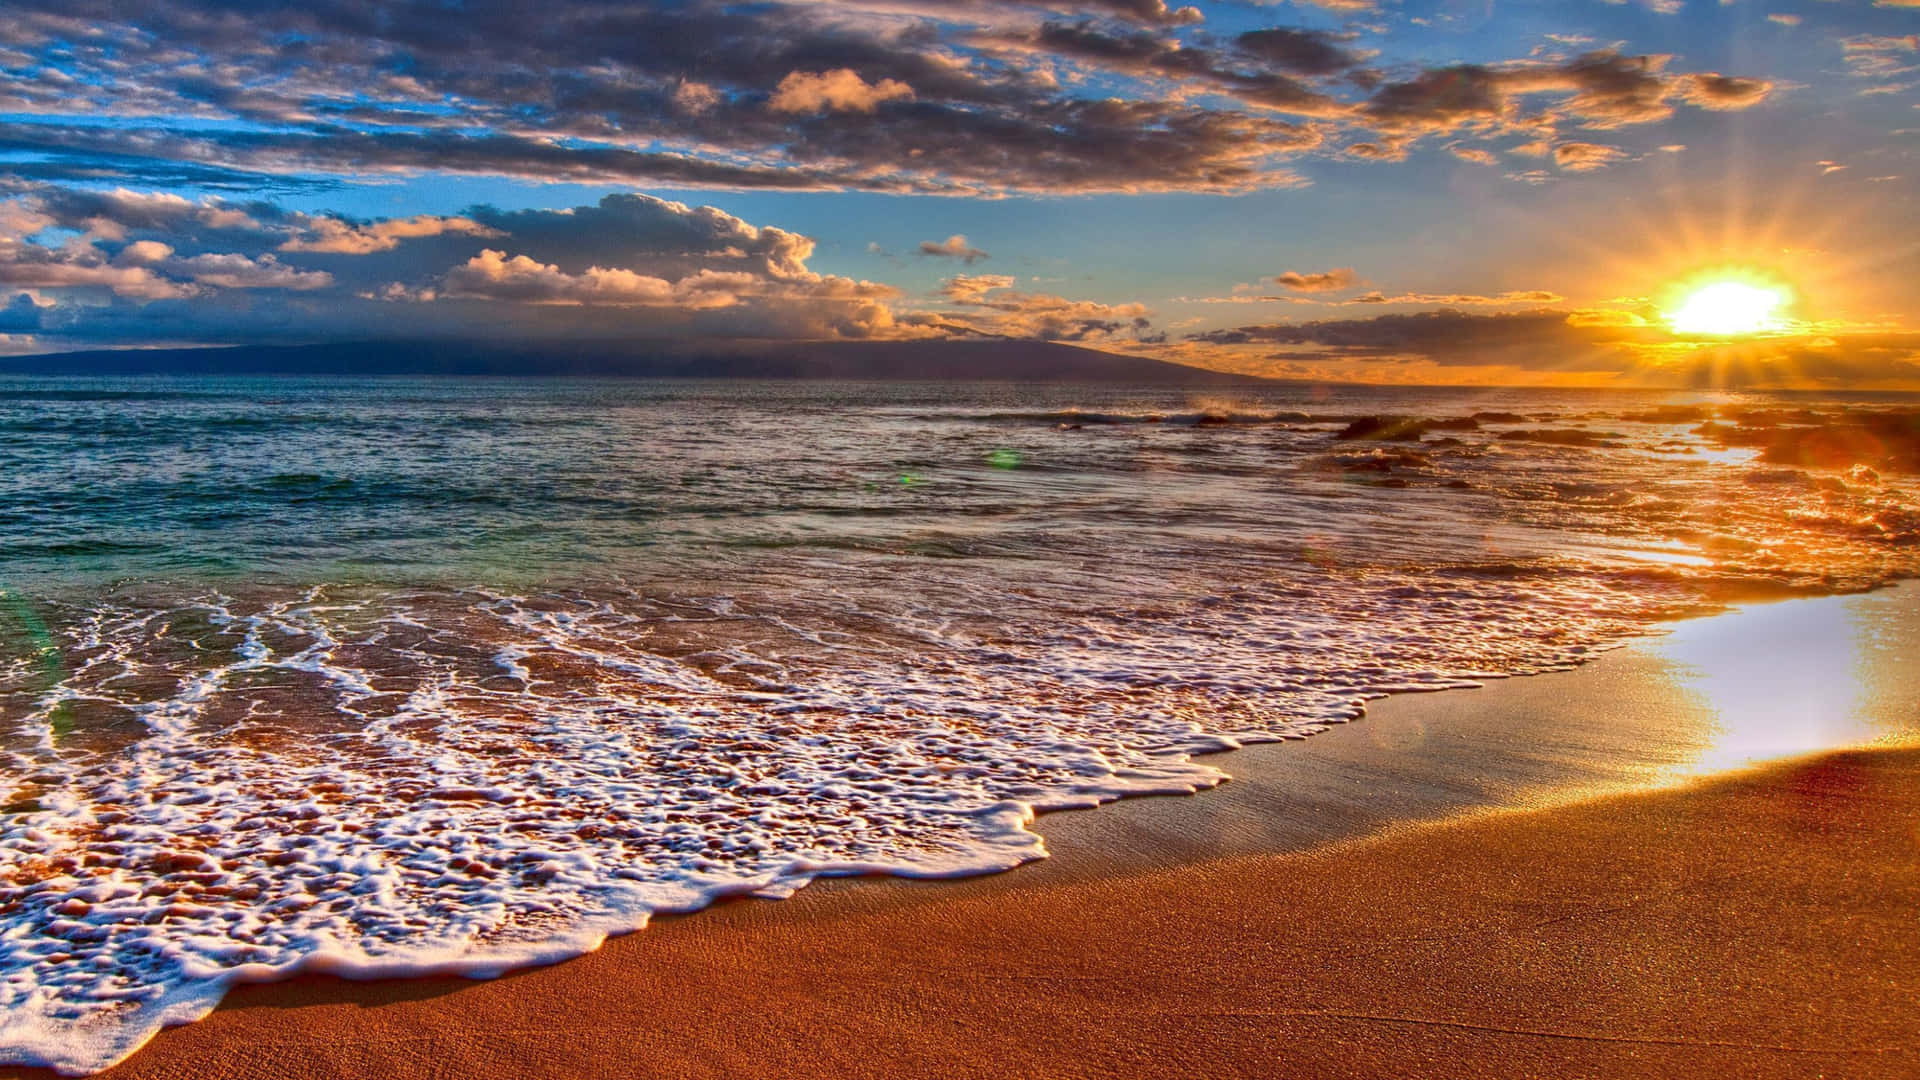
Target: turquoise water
{"x": 409, "y": 675}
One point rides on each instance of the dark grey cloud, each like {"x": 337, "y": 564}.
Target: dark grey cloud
{"x": 883, "y": 95}
{"x": 180, "y": 221}
{"x": 1600, "y": 90}
{"x": 953, "y": 247}
{"x": 1540, "y": 337}
{"x": 1846, "y": 360}
{"x": 670, "y": 237}
{"x": 1258, "y": 76}
{"x": 1586, "y": 341}
{"x": 1438, "y": 100}
{"x": 1303, "y": 52}
{"x": 1073, "y": 146}
{"x": 21, "y": 315}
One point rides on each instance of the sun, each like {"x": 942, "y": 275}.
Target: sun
{"x": 1728, "y": 307}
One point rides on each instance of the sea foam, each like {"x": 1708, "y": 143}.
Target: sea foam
{"x": 394, "y": 784}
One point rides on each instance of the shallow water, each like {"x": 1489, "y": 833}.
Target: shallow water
{"x": 426, "y": 675}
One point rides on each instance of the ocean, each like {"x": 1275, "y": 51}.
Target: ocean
{"x": 402, "y": 676}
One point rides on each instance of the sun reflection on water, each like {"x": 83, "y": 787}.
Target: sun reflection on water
{"x": 1787, "y": 680}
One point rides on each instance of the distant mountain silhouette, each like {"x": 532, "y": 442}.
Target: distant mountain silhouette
{"x": 999, "y": 360}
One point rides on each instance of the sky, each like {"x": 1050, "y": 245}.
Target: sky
{"x": 1370, "y": 190}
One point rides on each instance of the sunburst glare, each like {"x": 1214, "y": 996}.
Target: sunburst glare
{"x": 1727, "y": 308}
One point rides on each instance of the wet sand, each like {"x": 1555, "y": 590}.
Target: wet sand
{"x": 1555, "y": 876}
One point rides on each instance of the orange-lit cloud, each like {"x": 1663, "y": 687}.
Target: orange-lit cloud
{"x": 988, "y": 304}
{"x": 335, "y": 236}
{"x": 840, "y": 90}
{"x": 1319, "y": 281}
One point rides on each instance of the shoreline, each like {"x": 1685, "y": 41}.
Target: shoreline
{"x": 1417, "y": 769}
{"x": 1650, "y": 714}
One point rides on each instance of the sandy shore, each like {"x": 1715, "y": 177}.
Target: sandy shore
{"x": 1551, "y": 877}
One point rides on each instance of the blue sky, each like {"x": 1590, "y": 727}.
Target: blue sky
{"x": 1491, "y": 191}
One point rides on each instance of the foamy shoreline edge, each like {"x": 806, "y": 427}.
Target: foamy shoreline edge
{"x": 1188, "y": 772}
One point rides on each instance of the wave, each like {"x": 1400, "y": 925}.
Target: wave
{"x": 1199, "y": 417}
{"x": 92, "y": 395}
{"x": 396, "y": 784}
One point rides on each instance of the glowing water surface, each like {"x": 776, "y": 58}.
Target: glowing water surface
{"x": 1797, "y": 679}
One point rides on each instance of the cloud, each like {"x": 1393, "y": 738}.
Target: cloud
{"x": 973, "y": 288}
{"x": 1597, "y": 90}
{"x": 672, "y": 238}
{"x": 1723, "y": 92}
{"x": 1245, "y": 298}
{"x": 1154, "y": 12}
{"x": 492, "y": 275}
{"x": 1440, "y": 100}
{"x": 840, "y": 90}
{"x": 140, "y": 267}
{"x": 1388, "y": 149}
{"x": 1077, "y": 146}
{"x": 1321, "y": 281}
{"x": 1300, "y": 51}
{"x": 1878, "y": 56}
{"x": 1444, "y": 335}
{"x": 1585, "y": 157}
{"x": 345, "y": 151}
{"x": 1531, "y": 297}
{"x": 953, "y": 247}
{"x": 695, "y": 97}
{"x": 988, "y": 305}
{"x": 328, "y": 234}
{"x": 1259, "y": 70}
{"x": 147, "y": 252}
{"x": 22, "y": 314}
{"x": 962, "y": 97}
{"x": 1617, "y": 345}
{"x": 112, "y": 215}
{"x": 1519, "y": 296}
{"x": 1145, "y": 12}
{"x": 1609, "y": 90}
{"x": 82, "y": 267}
{"x": 234, "y": 271}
